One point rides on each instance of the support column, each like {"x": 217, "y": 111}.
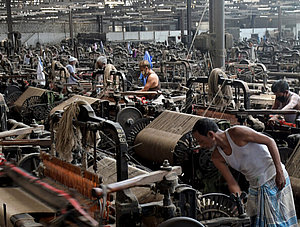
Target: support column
{"x": 189, "y": 21}
{"x": 182, "y": 24}
{"x": 218, "y": 34}
{"x": 102, "y": 25}
{"x": 211, "y": 16}
{"x": 9, "y": 20}
{"x": 71, "y": 27}
{"x": 279, "y": 22}
{"x": 99, "y": 22}
{"x": 113, "y": 26}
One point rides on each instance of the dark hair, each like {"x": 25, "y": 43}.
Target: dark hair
{"x": 144, "y": 63}
{"x": 204, "y": 125}
{"x": 280, "y": 86}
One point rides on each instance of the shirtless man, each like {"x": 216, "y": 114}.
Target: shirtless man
{"x": 152, "y": 80}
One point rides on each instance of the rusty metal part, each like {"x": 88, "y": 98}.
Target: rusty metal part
{"x": 159, "y": 139}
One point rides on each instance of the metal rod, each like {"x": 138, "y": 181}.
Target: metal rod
{"x": 95, "y": 152}
{"x": 4, "y": 215}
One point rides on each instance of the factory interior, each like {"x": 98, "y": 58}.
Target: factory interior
{"x": 167, "y": 113}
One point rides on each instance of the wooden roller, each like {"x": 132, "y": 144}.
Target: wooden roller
{"x": 157, "y": 141}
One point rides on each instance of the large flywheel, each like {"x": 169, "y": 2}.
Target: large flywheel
{"x": 127, "y": 117}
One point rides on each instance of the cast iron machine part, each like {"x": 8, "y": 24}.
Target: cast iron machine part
{"x": 116, "y": 74}
{"x": 127, "y": 117}
{"x": 217, "y": 209}
{"x": 237, "y": 84}
{"x": 164, "y": 181}
{"x": 240, "y": 205}
{"x": 125, "y": 200}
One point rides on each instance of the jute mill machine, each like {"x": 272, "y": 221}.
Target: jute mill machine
{"x": 169, "y": 137}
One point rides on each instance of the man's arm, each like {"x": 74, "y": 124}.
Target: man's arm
{"x": 150, "y": 83}
{"x": 75, "y": 76}
{"x": 275, "y": 107}
{"x": 276, "y": 104}
{"x": 246, "y": 135}
{"x": 221, "y": 165}
{"x": 292, "y": 103}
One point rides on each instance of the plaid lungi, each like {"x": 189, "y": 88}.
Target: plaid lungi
{"x": 272, "y": 207}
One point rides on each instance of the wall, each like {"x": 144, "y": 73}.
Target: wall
{"x": 246, "y": 32}
{"x": 157, "y": 36}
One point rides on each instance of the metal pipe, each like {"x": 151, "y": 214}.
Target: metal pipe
{"x": 284, "y": 74}
{"x": 5, "y": 214}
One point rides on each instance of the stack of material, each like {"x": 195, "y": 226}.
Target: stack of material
{"x": 157, "y": 141}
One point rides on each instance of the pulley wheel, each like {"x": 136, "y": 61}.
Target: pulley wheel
{"x": 127, "y": 117}
{"x": 30, "y": 163}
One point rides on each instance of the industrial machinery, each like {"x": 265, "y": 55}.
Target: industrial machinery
{"x": 169, "y": 137}
{"x": 178, "y": 200}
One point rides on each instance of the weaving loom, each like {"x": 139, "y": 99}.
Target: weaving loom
{"x": 70, "y": 175}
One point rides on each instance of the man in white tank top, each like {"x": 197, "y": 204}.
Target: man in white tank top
{"x": 257, "y": 157}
